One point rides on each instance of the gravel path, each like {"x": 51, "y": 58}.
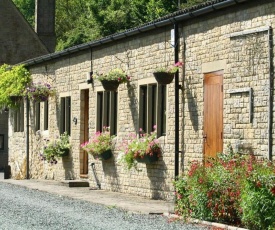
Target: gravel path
{"x": 21, "y": 208}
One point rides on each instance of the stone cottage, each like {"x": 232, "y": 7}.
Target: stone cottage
{"x": 223, "y": 94}
{"x": 19, "y": 42}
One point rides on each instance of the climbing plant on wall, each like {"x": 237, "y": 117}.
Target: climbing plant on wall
{"x": 13, "y": 82}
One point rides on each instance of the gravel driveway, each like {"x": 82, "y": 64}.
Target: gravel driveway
{"x": 21, "y": 208}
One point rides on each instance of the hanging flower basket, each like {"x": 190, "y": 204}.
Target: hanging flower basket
{"x": 64, "y": 152}
{"x": 112, "y": 79}
{"x": 39, "y": 92}
{"x": 148, "y": 159}
{"x": 164, "y": 78}
{"x": 110, "y": 85}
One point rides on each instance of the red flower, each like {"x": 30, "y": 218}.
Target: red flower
{"x": 272, "y": 190}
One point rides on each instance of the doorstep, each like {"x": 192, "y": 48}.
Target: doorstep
{"x": 75, "y": 183}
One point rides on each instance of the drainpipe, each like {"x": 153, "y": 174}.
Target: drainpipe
{"x": 270, "y": 106}
{"x": 28, "y": 138}
{"x": 177, "y": 88}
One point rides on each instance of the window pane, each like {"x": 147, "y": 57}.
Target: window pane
{"x": 46, "y": 115}
{"x": 62, "y": 115}
{"x": 37, "y": 116}
{"x": 143, "y": 108}
{"x": 152, "y": 107}
{"x": 99, "y": 111}
{"x": 68, "y": 115}
{"x": 162, "y": 122}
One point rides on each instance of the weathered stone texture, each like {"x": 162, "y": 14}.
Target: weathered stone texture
{"x": 245, "y": 64}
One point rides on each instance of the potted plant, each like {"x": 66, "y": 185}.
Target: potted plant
{"x": 99, "y": 145}
{"x": 111, "y": 81}
{"x": 39, "y": 92}
{"x": 165, "y": 76}
{"x": 56, "y": 148}
{"x": 143, "y": 148}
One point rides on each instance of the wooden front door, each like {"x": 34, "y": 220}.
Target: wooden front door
{"x": 213, "y": 114}
{"x": 85, "y": 128}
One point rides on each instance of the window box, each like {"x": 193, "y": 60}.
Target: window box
{"x": 148, "y": 159}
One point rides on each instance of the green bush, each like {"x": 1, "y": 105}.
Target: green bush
{"x": 13, "y": 82}
{"x": 233, "y": 188}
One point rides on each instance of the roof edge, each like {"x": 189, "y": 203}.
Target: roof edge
{"x": 170, "y": 19}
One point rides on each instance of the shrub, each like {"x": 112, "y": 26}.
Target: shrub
{"x": 233, "y": 188}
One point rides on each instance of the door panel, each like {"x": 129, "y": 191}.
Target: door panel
{"x": 85, "y": 134}
{"x": 213, "y": 114}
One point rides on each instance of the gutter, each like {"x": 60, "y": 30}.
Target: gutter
{"x": 177, "y": 88}
{"x": 184, "y": 16}
{"x": 270, "y": 95}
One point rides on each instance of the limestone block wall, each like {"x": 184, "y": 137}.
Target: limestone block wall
{"x": 229, "y": 41}
{"x": 139, "y": 57}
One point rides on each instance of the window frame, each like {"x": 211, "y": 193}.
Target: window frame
{"x": 107, "y": 110}
{"x": 65, "y": 115}
{"x": 46, "y": 115}
{"x": 18, "y": 118}
{"x": 152, "y": 107}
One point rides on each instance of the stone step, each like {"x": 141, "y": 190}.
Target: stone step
{"x": 75, "y": 183}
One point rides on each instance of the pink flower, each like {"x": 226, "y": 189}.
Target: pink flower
{"x": 178, "y": 64}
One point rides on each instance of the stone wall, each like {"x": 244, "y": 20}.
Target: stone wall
{"x": 139, "y": 57}
{"x": 217, "y": 43}
{"x": 207, "y": 45}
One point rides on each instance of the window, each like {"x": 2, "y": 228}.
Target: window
{"x": 152, "y": 108}
{"x": 19, "y": 118}
{"x": 65, "y": 115}
{"x": 46, "y": 115}
{"x": 107, "y": 111}
{"x": 37, "y": 115}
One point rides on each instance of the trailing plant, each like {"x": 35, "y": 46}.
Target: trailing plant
{"x": 137, "y": 146}
{"x": 114, "y": 75}
{"x": 99, "y": 142}
{"x": 233, "y": 188}
{"x": 39, "y": 91}
{"x": 170, "y": 69}
{"x": 56, "y": 148}
{"x": 13, "y": 81}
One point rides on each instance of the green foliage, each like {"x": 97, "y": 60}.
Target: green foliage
{"x": 27, "y": 8}
{"x": 13, "y": 81}
{"x": 99, "y": 143}
{"x": 171, "y": 69}
{"x": 190, "y": 3}
{"x": 258, "y": 197}
{"x": 56, "y": 148}
{"x": 114, "y": 75}
{"x": 80, "y": 21}
{"x": 233, "y": 188}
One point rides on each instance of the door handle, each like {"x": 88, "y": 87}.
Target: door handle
{"x": 204, "y": 137}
